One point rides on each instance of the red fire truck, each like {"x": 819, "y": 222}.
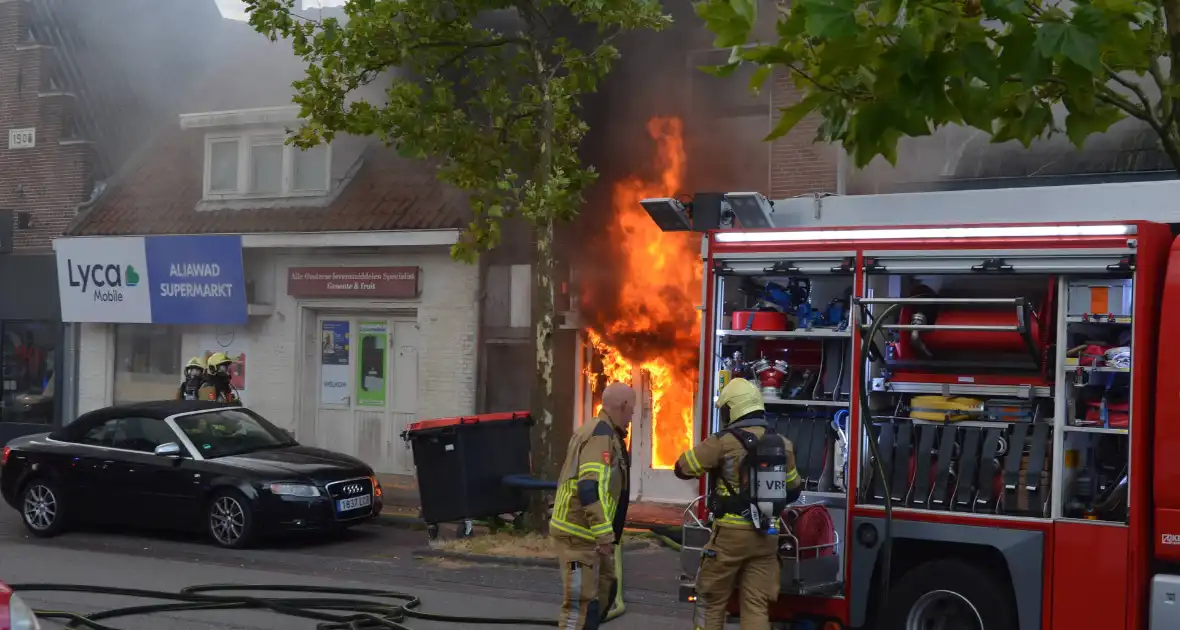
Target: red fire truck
{"x": 990, "y": 412}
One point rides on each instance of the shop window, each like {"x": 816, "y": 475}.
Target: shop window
{"x": 147, "y": 362}
{"x": 262, "y": 166}
{"x": 27, "y": 354}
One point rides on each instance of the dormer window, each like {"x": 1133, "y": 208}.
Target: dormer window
{"x": 246, "y": 156}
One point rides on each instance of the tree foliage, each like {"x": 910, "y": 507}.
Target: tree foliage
{"x": 496, "y": 107}
{"x": 878, "y": 70}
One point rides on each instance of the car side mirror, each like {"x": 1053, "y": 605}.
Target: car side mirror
{"x": 171, "y": 449}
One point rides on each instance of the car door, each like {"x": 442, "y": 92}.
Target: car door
{"x": 159, "y": 491}
{"x": 88, "y": 473}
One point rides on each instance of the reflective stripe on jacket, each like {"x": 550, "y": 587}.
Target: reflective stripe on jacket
{"x": 592, "y": 481}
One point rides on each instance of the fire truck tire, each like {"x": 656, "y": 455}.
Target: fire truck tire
{"x": 973, "y": 594}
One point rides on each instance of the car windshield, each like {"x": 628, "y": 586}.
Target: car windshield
{"x": 231, "y": 432}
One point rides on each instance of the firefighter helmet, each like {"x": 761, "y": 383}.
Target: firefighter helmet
{"x": 218, "y": 360}
{"x": 194, "y": 367}
{"x": 741, "y": 397}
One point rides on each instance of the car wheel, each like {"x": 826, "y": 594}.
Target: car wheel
{"x": 42, "y": 509}
{"x": 229, "y": 520}
{"x": 949, "y": 594}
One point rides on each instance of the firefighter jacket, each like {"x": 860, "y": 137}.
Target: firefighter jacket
{"x": 594, "y": 484}
{"x": 210, "y": 391}
{"x": 724, "y": 455}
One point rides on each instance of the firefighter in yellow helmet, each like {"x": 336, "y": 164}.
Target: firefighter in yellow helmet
{"x": 217, "y": 381}
{"x": 194, "y": 380}
{"x": 590, "y": 510}
{"x": 738, "y": 553}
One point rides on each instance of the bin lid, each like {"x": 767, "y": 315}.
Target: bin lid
{"x": 439, "y": 423}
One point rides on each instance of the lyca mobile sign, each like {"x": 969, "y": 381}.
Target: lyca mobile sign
{"x": 154, "y": 279}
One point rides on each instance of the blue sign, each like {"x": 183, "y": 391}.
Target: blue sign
{"x": 196, "y": 279}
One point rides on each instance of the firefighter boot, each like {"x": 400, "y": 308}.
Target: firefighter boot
{"x": 734, "y": 553}
{"x": 586, "y": 576}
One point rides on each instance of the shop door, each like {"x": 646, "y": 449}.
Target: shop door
{"x": 368, "y": 388}
{"x": 649, "y": 482}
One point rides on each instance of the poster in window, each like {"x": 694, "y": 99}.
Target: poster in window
{"x": 374, "y": 339}
{"x": 234, "y": 347}
{"x": 334, "y": 370}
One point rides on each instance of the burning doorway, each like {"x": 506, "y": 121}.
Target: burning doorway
{"x": 641, "y": 304}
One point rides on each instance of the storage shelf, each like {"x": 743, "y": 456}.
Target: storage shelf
{"x": 1104, "y": 430}
{"x": 798, "y": 402}
{"x": 1090, "y": 368}
{"x": 800, "y": 333}
{"x": 1098, "y": 319}
{"x": 964, "y": 389}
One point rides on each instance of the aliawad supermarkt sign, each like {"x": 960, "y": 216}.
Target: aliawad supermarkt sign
{"x": 152, "y": 279}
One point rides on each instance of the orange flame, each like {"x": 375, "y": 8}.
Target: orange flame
{"x": 658, "y": 300}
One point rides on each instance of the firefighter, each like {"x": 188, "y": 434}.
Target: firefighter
{"x": 194, "y": 380}
{"x": 738, "y": 553}
{"x": 217, "y": 382}
{"x": 590, "y": 510}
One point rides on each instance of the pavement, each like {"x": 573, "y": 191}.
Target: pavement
{"x": 371, "y": 556}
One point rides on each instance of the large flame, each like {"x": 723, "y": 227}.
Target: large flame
{"x": 657, "y": 324}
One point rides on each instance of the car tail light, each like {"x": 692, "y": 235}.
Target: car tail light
{"x": 4, "y": 455}
{"x": 376, "y": 486}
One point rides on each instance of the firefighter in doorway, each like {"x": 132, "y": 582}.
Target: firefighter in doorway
{"x": 590, "y": 510}
{"x": 738, "y": 553}
{"x": 217, "y": 384}
{"x": 194, "y": 380}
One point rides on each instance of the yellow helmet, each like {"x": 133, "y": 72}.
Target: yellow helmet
{"x": 742, "y": 397}
{"x": 218, "y": 359}
{"x": 195, "y": 362}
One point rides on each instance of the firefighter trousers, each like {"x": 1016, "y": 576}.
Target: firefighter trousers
{"x": 587, "y": 583}
{"x": 742, "y": 558}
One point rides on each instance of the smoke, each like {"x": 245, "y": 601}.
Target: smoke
{"x": 657, "y": 77}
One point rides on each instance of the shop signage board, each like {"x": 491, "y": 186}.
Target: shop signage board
{"x": 152, "y": 280}
{"x": 335, "y": 375}
{"x": 371, "y": 362}
{"x": 353, "y": 282}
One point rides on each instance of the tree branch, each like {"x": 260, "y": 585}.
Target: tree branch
{"x": 1132, "y": 86}
{"x": 1166, "y": 113}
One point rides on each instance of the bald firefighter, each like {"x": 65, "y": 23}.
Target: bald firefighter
{"x": 590, "y": 510}
{"x": 738, "y": 553}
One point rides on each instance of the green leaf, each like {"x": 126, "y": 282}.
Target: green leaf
{"x": 759, "y": 78}
{"x": 831, "y": 19}
{"x": 1081, "y": 124}
{"x": 721, "y": 71}
{"x": 790, "y": 116}
{"x": 746, "y": 9}
{"x": 1061, "y": 39}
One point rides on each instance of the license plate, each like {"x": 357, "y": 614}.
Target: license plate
{"x": 344, "y": 505}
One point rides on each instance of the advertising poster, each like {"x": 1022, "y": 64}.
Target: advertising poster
{"x": 235, "y": 349}
{"x": 334, "y": 371}
{"x": 371, "y": 377}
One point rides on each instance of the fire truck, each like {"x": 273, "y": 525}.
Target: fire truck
{"x": 988, "y": 410}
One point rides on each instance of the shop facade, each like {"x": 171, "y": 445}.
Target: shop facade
{"x": 341, "y": 338}
{"x": 31, "y": 346}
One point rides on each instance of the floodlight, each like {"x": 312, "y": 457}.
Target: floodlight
{"x": 669, "y": 214}
{"x": 753, "y": 211}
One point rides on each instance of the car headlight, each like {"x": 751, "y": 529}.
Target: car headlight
{"x": 294, "y": 490}
{"x": 20, "y": 616}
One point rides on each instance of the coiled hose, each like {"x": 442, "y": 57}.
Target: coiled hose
{"x": 866, "y": 421}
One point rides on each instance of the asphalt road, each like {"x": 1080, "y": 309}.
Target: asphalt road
{"x": 368, "y": 557}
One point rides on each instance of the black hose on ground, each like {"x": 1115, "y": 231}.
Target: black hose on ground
{"x": 364, "y": 609}
{"x": 866, "y": 421}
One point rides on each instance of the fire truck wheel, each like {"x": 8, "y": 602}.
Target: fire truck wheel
{"x": 949, "y": 593}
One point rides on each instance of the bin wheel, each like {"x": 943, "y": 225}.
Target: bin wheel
{"x": 432, "y": 531}
{"x": 465, "y": 530}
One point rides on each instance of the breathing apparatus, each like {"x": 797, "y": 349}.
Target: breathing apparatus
{"x": 194, "y": 377}
{"x": 219, "y": 375}
{"x": 763, "y": 493}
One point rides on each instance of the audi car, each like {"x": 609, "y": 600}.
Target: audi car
{"x": 186, "y": 465}
{"x": 14, "y": 613}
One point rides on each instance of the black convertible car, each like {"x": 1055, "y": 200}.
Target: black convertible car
{"x": 198, "y": 466}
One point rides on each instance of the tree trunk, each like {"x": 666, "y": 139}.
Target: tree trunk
{"x": 545, "y": 454}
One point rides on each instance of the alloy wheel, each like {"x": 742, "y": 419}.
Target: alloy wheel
{"x": 227, "y": 520}
{"x": 40, "y": 507}
{"x": 943, "y": 610}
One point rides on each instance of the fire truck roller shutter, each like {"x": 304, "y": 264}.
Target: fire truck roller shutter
{"x": 995, "y": 569}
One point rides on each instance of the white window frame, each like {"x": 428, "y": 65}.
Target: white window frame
{"x": 246, "y": 140}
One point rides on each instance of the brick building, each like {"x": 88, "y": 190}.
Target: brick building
{"x": 71, "y": 115}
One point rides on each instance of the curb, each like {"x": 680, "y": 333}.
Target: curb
{"x": 479, "y": 558}
{"x": 406, "y": 521}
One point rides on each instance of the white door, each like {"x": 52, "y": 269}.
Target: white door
{"x": 367, "y": 388}
{"x": 657, "y": 485}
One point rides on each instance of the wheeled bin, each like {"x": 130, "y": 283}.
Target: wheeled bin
{"x": 462, "y": 462}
